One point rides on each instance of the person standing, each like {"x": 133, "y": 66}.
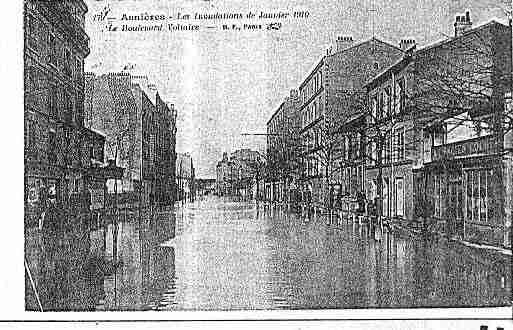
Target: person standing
{"x": 51, "y": 225}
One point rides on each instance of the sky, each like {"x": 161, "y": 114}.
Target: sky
{"x": 226, "y": 83}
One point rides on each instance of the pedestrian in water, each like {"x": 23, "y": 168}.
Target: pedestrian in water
{"x": 52, "y": 225}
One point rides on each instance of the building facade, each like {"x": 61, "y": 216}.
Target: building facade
{"x": 140, "y": 130}
{"x": 59, "y": 150}
{"x": 284, "y": 148}
{"x": 331, "y": 96}
{"x": 443, "y": 138}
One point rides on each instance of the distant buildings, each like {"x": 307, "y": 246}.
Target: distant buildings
{"x": 205, "y": 187}
{"x": 239, "y": 174}
{"x": 59, "y": 151}
{"x": 140, "y": 130}
{"x": 408, "y": 133}
{"x": 185, "y": 178}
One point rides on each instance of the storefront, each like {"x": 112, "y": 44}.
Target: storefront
{"x": 465, "y": 184}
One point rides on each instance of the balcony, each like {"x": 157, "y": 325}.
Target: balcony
{"x": 484, "y": 145}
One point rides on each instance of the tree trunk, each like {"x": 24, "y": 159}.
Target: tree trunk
{"x": 379, "y": 183}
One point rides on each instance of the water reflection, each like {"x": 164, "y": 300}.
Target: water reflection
{"x": 218, "y": 254}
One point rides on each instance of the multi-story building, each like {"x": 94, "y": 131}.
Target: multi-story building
{"x": 332, "y": 96}
{"x": 284, "y": 147}
{"x": 185, "y": 177}
{"x": 440, "y": 138}
{"x": 140, "y": 130}
{"x": 58, "y": 148}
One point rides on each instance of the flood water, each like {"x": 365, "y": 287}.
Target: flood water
{"x": 219, "y": 254}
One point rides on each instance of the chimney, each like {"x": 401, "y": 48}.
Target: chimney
{"x": 406, "y": 44}
{"x": 293, "y": 94}
{"x": 462, "y": 24}
{"x": 344, "y": 43}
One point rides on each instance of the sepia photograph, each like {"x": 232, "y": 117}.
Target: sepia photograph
{"x": 291, "y": 155}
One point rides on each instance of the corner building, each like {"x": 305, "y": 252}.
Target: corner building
{"x": 449, "y": 141}
{"x": 59, "y": 150}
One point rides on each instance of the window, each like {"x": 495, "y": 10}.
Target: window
{"x": 30, "y": 80}
{"x": 67, "y": 62}
{"x": 374, "y": 113}
{"x": 400, "y": 94}
{"x": 31, "y": 138}
{"x": 68, "y": 108}
{"x": 31, "y": 32}
{"x": 380, "y": 105}
{"x": 387, "y": 106}
{"x": 399, "y": 153}
{"x": 53, "y": 102}
{"x": 79, "y": 109}
{"x": 52, "y": 51}
{"x": 52, "y": 147}
{"x": 399, "y": 197}
{"x": 385, "y": 197}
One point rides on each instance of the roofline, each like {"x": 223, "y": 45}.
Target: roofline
{"x": 366, "y": 41}
{"x": 387, "y": 70}
{"x": 449, "y": 39}
{"x": 94, "y": 132}
{"x": 275, "y": 112}
{"x": 310, "y": 75}
{"x": 343, "y": 51}
{"x": 431, "y": 46}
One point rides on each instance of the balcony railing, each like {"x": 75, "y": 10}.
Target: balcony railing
{"x": 477, "y": 146}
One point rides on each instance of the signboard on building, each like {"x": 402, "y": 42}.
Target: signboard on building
{"x": 477, "y": 146}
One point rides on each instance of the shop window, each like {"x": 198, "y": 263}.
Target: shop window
{"x": 479, "y": 192}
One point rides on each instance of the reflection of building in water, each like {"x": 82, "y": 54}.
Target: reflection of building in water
{"x": 146, "y": 269}
{"x": 140, "y": 130}
{"x": 65, "y": 275}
